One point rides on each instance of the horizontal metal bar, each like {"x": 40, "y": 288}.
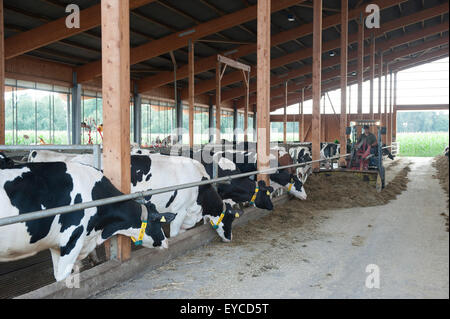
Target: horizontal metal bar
{"x": 112, "y": 200}
{"x": 47, "y": 147}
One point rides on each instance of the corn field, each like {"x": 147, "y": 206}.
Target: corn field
{"x": 422, "y": 144}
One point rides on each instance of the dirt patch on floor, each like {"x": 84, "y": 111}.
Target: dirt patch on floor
{"x": 441, "y": 164}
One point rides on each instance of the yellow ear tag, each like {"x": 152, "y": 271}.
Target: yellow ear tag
{"x": 237, "y": 215}
{"x": 163, "y": 220}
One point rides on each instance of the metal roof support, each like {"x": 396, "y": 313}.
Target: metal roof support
{"x": 76, "y": 111}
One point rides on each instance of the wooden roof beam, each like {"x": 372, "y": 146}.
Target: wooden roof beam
{"x": 209, "y": 63}
{"x": 179, "y": 40}
{"x": 336, "y": 73}
{"x": 330, "y": 45}
{"x": 233, "y": 77}
{"x": 57, "y": 30}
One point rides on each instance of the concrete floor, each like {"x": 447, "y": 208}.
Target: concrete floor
{"x": 325, "y": 258}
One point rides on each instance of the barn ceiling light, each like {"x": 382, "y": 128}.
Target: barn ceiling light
{"x": 291, "y": 17}
{"x": 354, "y": 73}
{"x": 332, "y": 53}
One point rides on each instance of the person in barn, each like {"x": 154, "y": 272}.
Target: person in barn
{"x": 365, "y": 140}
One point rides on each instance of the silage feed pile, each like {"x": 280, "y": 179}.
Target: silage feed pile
{"x": 324, "y": 193}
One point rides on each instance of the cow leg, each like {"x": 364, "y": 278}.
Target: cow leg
{"x": 177, "y": 223}
{"x": 93, "y": 258}
{"x": 55, "y": 260}
{"x": 69, "y": 254}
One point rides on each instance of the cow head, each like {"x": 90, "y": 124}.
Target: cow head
{"x": 154, "y": 235}
{"x": 262, "y": 199}
{"x": 296, "y": 188}
{"x": 223, "y": 223}
{"x": 5, "y": 162}
{"x": 304, "y": 156}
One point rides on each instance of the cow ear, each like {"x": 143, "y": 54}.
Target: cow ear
{"x": 167, "y": 218}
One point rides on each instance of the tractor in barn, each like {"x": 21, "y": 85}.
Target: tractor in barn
{"x": 366, "y": 158}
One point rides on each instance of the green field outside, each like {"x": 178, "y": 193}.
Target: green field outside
{"x": 422, "y": 144}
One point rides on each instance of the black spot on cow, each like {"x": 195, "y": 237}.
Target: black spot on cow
{"x": 148, "y": 177}
{"x": 209, "y": 200}
{"x": 76, "y": 234}
{"x": 72, "y": 219}
{"x": 113, "y": 217}
{"x": 172, "y": 198}
{"x": 140, "y": 167}
{"x": 34, "y": 154}
{"x": 282, "y": 177}
{"x": 46, "y": 186}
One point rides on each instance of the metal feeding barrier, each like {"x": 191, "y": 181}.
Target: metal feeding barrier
{"x": 96, "y": 150}
{"x": 140, "y": 195}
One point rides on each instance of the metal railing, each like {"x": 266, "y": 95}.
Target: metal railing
{"x": 95, "y": 148}
{"x": 140, "y": 195}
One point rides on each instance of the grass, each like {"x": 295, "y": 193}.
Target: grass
{"x": 422, "y": 144}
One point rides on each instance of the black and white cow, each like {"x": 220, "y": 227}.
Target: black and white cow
{"x": 302, "y": 154}
{"x": 246, "y": 162}
{"x": 70, "y": 237}
{"x": 155, "y": 171}
{"x": 191, "y": 205}
{"x": 238, "y": 191}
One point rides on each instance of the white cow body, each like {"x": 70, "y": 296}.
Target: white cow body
{"x": 166, "y": 171}
{"x": 70, "y": 237}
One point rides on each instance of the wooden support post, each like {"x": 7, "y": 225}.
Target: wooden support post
{"x": 360, "y": 65}
{"x": 301, "y": 124}
{"x": 344, "y": 72}
{"x": 218, "y": 100}
{"x": 316, "y": 81}
{"x": 211, "y": 120}
{"x": 385, "y": 115}
{"x": 116, "y": 101}
{"x": 380, "y": 76}
{"x": 191, "y": 93}
{"x": 285, "y": 113}
{"x": 247, "y": 98}
{"x": 390, "y": 112}
{"x": 394, "y": 127}
{"x": 263, "y": 85}
{"x": 2, "y": 76}
{"x": 372, "y": 75}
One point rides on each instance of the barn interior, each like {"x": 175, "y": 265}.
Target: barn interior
{"x": 147, "y": 70}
